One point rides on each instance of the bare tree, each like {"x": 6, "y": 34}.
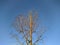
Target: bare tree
{"x": 25, "y": 27}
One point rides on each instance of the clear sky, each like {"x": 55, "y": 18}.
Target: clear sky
{"x": 48, "y": 10}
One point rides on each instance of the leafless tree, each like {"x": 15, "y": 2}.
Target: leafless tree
{"x": 25, "y": 28}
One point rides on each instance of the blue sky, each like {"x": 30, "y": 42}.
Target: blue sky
{"x": 49, "y": 13}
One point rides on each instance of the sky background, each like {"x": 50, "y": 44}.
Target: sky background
{"x": 48, "y": 11}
